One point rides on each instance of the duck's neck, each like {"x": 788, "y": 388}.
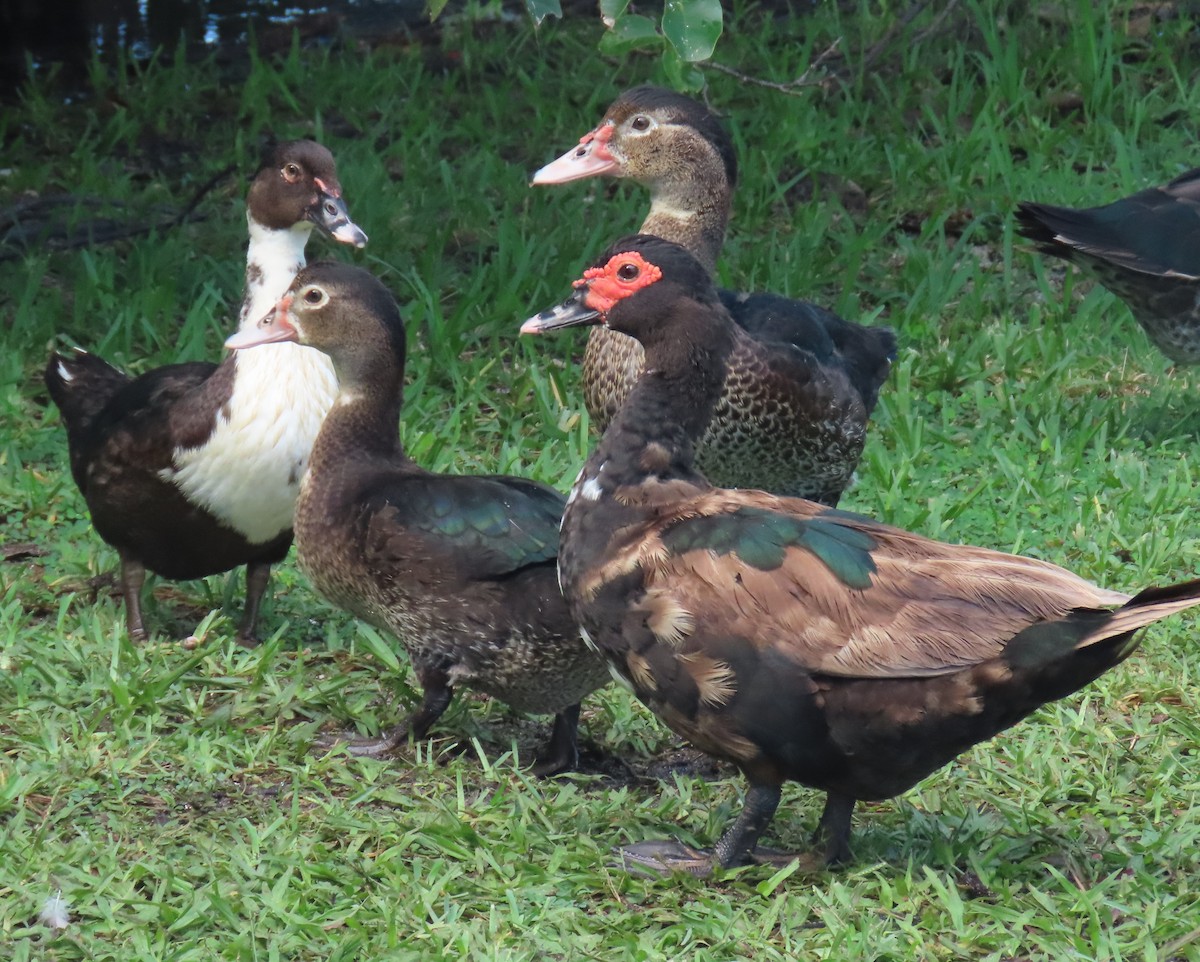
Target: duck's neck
{"x": 693, "y": 214}
{"x": 273, "y": 259}
{"x": 643, "y": 466}
{"x": 363, "y": 422}
{"x": 653, "y": 438}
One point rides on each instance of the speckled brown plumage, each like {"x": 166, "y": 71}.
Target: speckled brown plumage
{"x": 1144, "y": 248}
{"x": 794, "y": 640}
{"x": 799, "y": 437}
{"x": 462, "y": 570}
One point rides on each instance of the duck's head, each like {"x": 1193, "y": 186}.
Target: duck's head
{"x": 339, "y": 309}
{"x": 298, "y": 183}
{"x": 635, "y": 287}
{"x": 653, "y": 136}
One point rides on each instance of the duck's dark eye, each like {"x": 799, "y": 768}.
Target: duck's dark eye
{"x": 628, "y": 272}
{"x": 291, "y": 173}
{"x": 640, "y": 122}
{"x": 314, "y": 295}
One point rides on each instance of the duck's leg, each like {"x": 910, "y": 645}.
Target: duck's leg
{"x": 735, "y": 847}
{"x": 561, "y": 753}
{"x": 133, "y": 576}
{"x": 433, "y": 705}
{"x": 258, "y": 574}
{"x": 833, "y": 831}
{"x": 434, "y": 702}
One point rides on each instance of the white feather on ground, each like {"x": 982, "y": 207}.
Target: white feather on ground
{"x": 54, "y": 913}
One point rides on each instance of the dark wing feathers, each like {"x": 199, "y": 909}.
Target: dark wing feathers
{"x": 779, "y": 319}
{"x": 100, "y": 404}
{"x": 80, "y": 385}
{"x": 1046, "y": 642}
{"x": 1156, "y": 231}
{"x": 154, "y": 394}
{"x": 487, "y": 527}
{"x": 864, "y": 354}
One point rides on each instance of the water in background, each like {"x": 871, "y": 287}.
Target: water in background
{"x": 61, "y": 35}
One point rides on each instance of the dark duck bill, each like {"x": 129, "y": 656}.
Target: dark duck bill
{"x": 333, "y": 217}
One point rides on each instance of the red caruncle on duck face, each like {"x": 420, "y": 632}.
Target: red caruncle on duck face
{"x": 623, "y": 276}
{"x": 599, "y": 139}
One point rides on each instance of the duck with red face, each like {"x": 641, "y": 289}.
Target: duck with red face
{"x": 798, "y": 642}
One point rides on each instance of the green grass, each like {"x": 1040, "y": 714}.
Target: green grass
{"x": 167, "y": 789}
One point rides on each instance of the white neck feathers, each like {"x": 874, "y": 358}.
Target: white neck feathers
{"x": 273, "y": 259}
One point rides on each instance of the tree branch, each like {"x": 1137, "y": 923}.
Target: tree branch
{"x": 791, "y": 87}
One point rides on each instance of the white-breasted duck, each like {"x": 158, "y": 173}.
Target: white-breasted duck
{"x": 796, "y": 641}
{"x": 801, "y": 438}
{"x": 1141, "y": 248}
{"x": 462, "y": 570}
{"x": 193, "y": 469}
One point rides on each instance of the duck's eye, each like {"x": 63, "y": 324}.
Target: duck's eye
{"x": 314, "y": 296}
{"x": 291, "y": 173}
{"x": 640, "y": 122}
{"x": 628, "y": 272}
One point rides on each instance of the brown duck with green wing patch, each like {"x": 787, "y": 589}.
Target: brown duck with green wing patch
{"x": 794, "y": 640}
{"x": 462, "y": 569}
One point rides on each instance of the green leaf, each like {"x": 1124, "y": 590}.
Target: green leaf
{"x": 768, "y": 887}
{"x": 611, "y": 10}
{"x": 630, "y": 32}
{"x": 692, "y": 27}
{"x": 541, "y": 9}
{"x": 681, "y": 74}
{"x": 436, "y": 7}
{"x": 375, "y": 643}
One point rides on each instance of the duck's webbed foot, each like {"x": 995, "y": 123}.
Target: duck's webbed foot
{"x": 388, "y": 743}
{"x": 384, "y": 745}
{"x": 738, "y": 846}
{"x": 658, "y": 857}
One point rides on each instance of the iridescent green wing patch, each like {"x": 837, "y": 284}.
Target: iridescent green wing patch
{"x": 761, "y": 539}
{"x": 496, "y": 527}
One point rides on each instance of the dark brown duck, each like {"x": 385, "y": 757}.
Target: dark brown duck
{"x": 193, "y": 469}
{"x": 461, "y": 569}
{"x": 796, "y": 641}
{"x": 797, "y": 437}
